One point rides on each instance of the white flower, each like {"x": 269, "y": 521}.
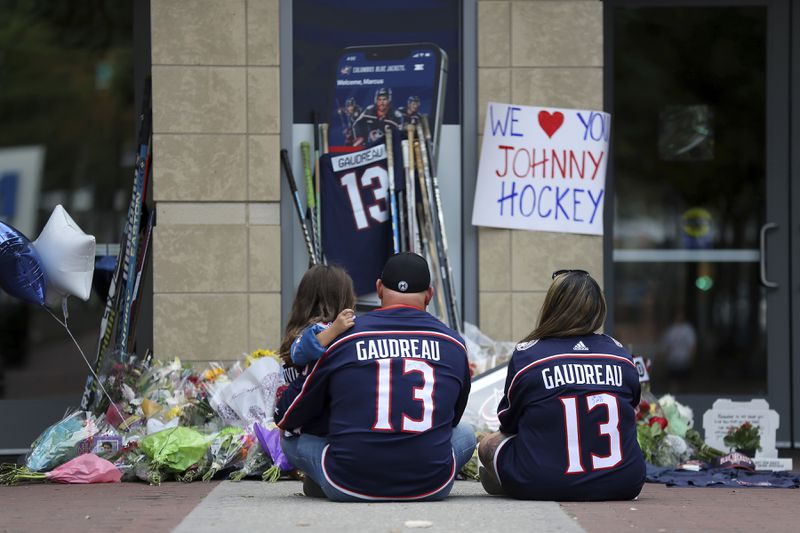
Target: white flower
{"x": 686, "y": 413}
{"x": 667, "y": 399}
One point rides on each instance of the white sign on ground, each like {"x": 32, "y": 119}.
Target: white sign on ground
{"x": 542, "y": 169}
{"x": 725, "y": 414}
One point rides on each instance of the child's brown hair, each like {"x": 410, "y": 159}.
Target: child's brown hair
{"x": 323, "y": 293}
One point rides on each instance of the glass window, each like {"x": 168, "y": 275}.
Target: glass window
{"x": 689, "y": 164}
{"x": 67, "y": 137}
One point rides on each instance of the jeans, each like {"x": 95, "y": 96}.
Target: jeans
{"x": 305, "y": 453}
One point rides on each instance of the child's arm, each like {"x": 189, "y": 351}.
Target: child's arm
{"x": 343, "y": 322}
{"x": 310, "y": 345}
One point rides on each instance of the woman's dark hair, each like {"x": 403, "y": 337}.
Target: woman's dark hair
{"x": 323, "y": 293}
{"x": 574, "y": 305}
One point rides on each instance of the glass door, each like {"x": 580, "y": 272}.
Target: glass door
{"x": 699, "y": 95}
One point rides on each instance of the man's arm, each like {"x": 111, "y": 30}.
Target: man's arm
{"x": 463, "y": 397}
{"x": 306, "y": 397}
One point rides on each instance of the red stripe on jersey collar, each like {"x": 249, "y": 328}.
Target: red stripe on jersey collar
{"x": 397, "y": 306}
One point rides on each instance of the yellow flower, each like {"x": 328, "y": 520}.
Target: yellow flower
{"x": 172, "y": 413}
{"x": 258, "y": 354}
{"x": 212, "y": 373}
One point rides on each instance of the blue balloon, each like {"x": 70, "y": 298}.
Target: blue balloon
{"x": 21, "y": 271}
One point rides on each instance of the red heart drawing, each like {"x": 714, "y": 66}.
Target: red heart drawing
{"x": 550, "y": 122}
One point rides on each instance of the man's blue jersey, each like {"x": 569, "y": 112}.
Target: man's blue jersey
{"x": 356, "y": 222}
{"x": 569, "y": 402}
{"x": 394, "y": 386}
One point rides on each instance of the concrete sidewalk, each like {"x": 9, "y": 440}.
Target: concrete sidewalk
{"x": 281, "y": 507}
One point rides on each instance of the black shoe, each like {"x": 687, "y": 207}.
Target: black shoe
{"x": 489, "y": 482}
{"x": 312, "y": 489}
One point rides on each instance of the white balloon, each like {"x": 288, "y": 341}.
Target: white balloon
{"x": 68, "y": 256}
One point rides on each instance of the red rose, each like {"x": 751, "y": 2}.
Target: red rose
{"x": 663, "y": 422}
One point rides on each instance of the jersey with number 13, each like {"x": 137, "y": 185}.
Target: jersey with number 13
{"x": 569, "y": 405}
{"x": 356, "y": 226}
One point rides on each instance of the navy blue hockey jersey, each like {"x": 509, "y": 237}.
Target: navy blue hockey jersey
{"x": 569, "y": 402}
{"x": 394, "y": 386}
{"x": 356, "y": 223}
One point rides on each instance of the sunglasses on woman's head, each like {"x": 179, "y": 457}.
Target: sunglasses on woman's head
{"x": 567, "y": 271}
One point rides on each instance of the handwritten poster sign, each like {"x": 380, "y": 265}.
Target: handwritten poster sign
{"x": 542, "y": 169}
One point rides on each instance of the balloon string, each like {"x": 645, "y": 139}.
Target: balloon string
{"x": 97, "y": 379}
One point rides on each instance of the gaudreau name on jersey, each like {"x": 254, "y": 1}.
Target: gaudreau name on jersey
{"x": 582, "y": 374}
{"x": 383, "y": 348}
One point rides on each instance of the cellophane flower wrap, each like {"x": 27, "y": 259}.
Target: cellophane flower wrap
{"x": 254, "y": 465}
{"x": 175, "y": 449}
{"x": 228, "y": 449}
{"x": 60, "y": 442}
{"x": 87, "y": 468}
{"x": 270, "y": 441}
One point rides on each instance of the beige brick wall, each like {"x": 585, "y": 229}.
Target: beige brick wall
{"x": 540, "y": 53}
{"x": 216, "y": 128}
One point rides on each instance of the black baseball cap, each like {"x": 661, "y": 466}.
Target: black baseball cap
{"x": 406, "y": 272}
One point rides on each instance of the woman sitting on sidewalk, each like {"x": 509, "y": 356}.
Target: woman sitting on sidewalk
{"x": 567, "y": 422}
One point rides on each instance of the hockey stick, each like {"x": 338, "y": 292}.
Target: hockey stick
{"x": 439, "y": 213}
{"x": 436, "y": 231}
{"x": 311, "y": 204}
{"x": 401, "y": 212}
{"x": 317, "y": 170}
{"x": 141, "y": 175}
{"x": 411, "y": 192}
{"x": 140, "y": 271}
{"x": 287, "y": 169}
{"x": 426, "y": 230}
{"x": 131, "y": 258}
{"x": 392, "y": 192}
{"x": 323, "y": 133}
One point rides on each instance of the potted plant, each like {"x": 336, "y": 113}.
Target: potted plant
{"x": 744, "y": 439}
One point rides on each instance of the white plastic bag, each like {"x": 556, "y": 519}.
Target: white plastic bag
{"x": 252, "y": 395}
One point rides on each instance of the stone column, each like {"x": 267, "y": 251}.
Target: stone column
{"x": 216, "y": 124}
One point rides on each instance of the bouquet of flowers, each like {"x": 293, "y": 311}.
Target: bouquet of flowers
{"x": 86, "y": 468}
{"x": 254, "y": 465}
{"x": 270, "y": 441}
{"x": 228, "y": 448}
{"x": 665, "y": 433}
{"x": 745, "y": 439}
{"x": 194, "y": 472}
{"x": 60, "y": 442}
{"x": 172, "y": 450}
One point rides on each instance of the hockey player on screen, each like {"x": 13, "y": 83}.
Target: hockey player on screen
{"x": 410, "y": 112}
{"x": 370, "y": 126}
{"x": 348, "y": 115}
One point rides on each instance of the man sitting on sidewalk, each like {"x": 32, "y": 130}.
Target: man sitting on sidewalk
{"x": 394, "y": 388}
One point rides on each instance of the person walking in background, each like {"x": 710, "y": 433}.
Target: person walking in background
{"x": 678, "y": 345}
{"x": 567, "y": 422}
{"x": 394, "y": 388}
